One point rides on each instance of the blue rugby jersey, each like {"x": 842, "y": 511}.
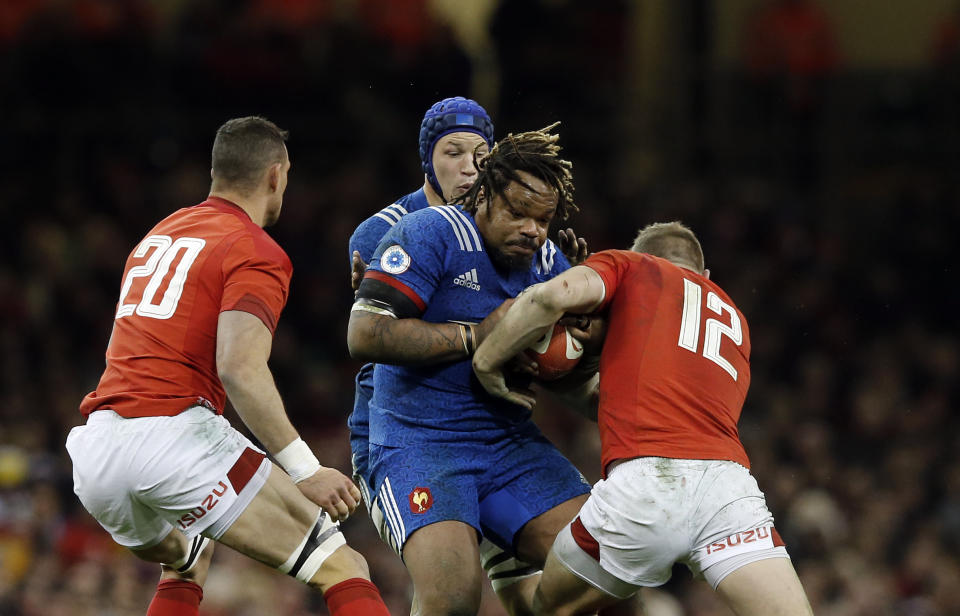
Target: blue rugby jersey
{"x": 436, "y": 258}
{"x": 365, "y": 239}
{"x": 368, "y": 234}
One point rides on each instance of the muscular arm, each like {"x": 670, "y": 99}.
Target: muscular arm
{"x": 578, "y": 290}
{"x": 383, "y": 339}
{"x": 243, "y": 348}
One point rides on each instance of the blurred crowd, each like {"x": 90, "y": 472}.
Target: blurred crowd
{"x": 841, "y": 263}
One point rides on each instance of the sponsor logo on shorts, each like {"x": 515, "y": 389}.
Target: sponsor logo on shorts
{"x": 420, "y": 500}
{"x": 208, "y": 503}
{"x": 744, "y": 542}
{"x": 763, "y": 535}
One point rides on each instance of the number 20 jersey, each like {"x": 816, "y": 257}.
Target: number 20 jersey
{"x": 434, "y": 261}
{"x": 193, "y": 265}
{"x": 675, "y": 366}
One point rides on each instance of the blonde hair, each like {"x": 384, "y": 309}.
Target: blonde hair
{"x": 672, "y": 241}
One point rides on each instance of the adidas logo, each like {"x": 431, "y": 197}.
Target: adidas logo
{"x": 468, "y": 280}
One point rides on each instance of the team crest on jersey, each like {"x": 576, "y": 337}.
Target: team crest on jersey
{"x": 395, "y": 260}
{"x": 420, "y": 500}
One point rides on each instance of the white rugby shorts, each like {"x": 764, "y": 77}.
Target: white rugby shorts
{"x": 653, "y": 512}
{"x": 142, "y": 477}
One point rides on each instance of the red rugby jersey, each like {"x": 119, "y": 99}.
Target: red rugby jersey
{"x": 193, "y": 265}
{"x": 675, "y": 366}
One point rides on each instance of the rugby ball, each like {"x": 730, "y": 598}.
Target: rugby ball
{"x": 556, "y": 353}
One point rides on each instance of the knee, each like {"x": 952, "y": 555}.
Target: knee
{"x": 517, "y": 598}
{"x": 447, "y": 602}
{"x": 197, "y": 573}
{"x": 344, "y": 564}
{"x": 543, "y": 605}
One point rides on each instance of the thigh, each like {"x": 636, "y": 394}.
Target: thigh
{"x": 561, "y": 591}
{"x": 536, "y": 537}
{"x": 359, "y": 424}
{"x": 209, "y": 471}
{"x": 736, "y": 527}
{"x": 444, "y": 563}
{"x": 274, "y": 523}
{"x": 529, "y": 492}
{"x": 416, "y": 486}
{"x": 634, "y": 526}
{"x": 765, "y": 587}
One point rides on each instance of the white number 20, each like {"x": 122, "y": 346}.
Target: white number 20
{"x": 714, "y": 330}
{"x": 165, "y": 250}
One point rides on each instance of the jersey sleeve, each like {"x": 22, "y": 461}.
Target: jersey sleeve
{"x": 611, "y": 267}
{"x": 406, "y": 268}
{"x": 256, "y": 280}
{"x": 366, "y": 237}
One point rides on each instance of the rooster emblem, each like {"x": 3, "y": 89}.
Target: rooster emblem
{"x": 420, "y": 500}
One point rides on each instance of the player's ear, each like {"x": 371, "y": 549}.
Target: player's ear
{"x": 273, "y": 176}
{"x": 481, "y": 198}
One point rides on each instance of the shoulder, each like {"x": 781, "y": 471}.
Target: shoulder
{"x": 412, "y": 202}
{"x": 369, "y": 232}
{"x": 246, "y": 243}
{"x": 446, "y": 223}
{"x": 228, "y": 234}
{"x": 265, "y": 247}
{"x": 615, "y": 264}
{"x": 406, "y": 204}
{"x": 390, "y": 214}
{"x": 622, "y": 258}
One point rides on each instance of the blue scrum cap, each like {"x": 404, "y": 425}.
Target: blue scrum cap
{"x": 451, "y": 115}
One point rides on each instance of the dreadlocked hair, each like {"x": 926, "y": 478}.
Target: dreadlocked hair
{"x": 535, "y": 152}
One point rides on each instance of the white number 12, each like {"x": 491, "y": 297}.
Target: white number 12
{"x": 157, "y": 267}
{"x": 714, "y": 330}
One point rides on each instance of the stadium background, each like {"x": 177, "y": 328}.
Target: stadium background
{"x": 812, "y": 149}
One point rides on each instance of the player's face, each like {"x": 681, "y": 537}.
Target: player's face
{"x": 515, "y": 224}
{"x": 276, "y": 201}
{"x": 453, "y": 162}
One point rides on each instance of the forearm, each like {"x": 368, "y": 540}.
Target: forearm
{"x": 254, "y": 395}
{"x": 526, "y": 320}
{"x": 385, "y": 340}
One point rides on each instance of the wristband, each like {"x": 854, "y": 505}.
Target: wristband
{"x": 463, "y": 338}
{"x": 471, "y": 340}
{"x": 297, "y": 459}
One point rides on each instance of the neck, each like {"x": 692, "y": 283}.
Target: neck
{"x": 432, "y": 197}
{"x": 688, "y": 266}
{"x": 254, "y": 207}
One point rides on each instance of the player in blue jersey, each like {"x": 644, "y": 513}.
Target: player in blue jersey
{"x": 452, "y": 131}
{"x": 447, "y": 461}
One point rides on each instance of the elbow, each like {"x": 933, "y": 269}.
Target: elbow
{"x": 231, "y": 372}
{"x": 359, "y": 343}
{"x": 548, "y": 298}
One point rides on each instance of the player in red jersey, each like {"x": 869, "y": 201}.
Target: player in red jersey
{"x": 674, "y": 373}
{"x": 157, "y": 464}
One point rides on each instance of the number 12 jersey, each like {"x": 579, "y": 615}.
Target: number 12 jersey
{"x": 675, "y": 367}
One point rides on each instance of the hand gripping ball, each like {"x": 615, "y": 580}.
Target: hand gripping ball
{"x": 556, "y": 353}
